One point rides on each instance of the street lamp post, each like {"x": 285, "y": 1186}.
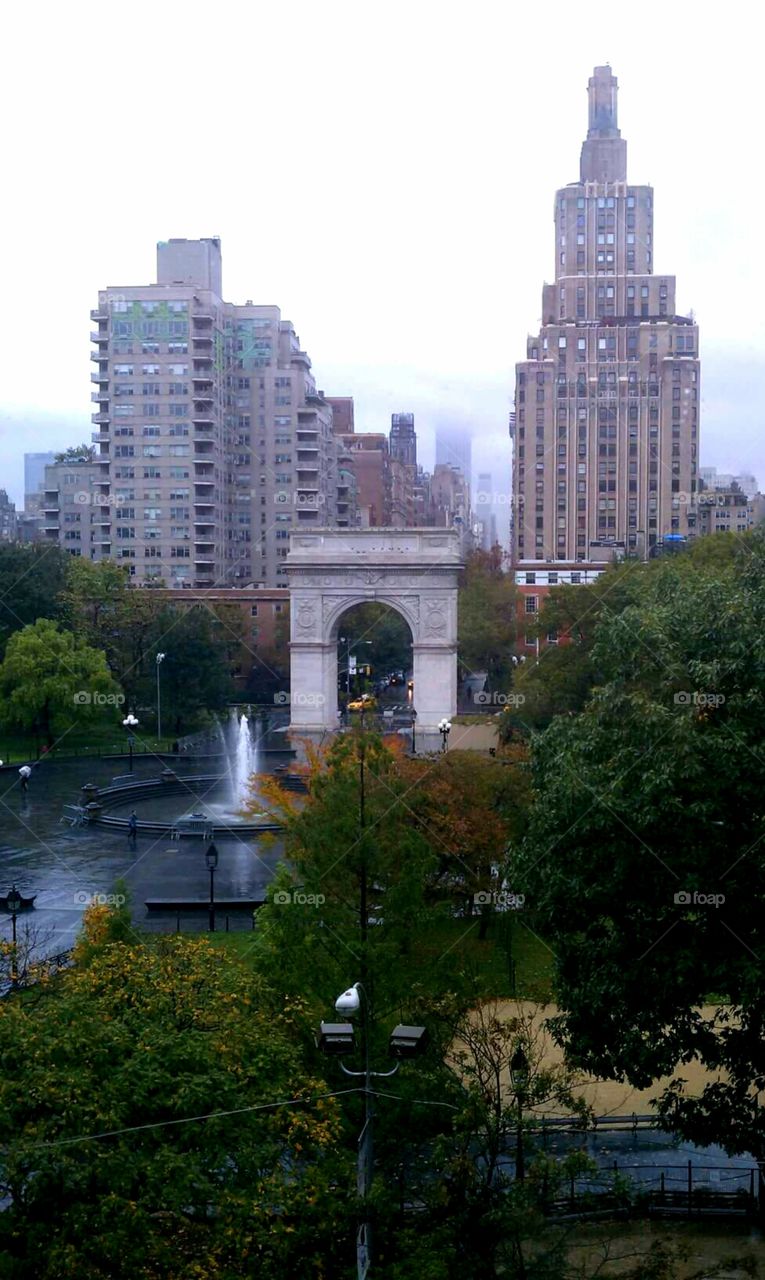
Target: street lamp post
{"x": 159, "y": 660}
{"x": 13, "y": 899}
{"x": 337, "y": 1039}
{"x": 444, "y": 728}
{"x": 414, "y": 717}
{"x": 129, "y": 724}
{"x": 211, "y": 858}
{"x": 519, "y": 1075}
{"x": 346, "y": 640}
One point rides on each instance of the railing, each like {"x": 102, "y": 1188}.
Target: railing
{"x": 688, "y": 1190}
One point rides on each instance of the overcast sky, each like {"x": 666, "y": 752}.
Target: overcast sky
{"x": 383, "y": 173}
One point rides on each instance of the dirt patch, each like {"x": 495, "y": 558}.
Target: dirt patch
{"x": 707, "y": 1245}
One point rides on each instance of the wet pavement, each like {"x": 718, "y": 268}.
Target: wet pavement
{"x": 65, "y": 866}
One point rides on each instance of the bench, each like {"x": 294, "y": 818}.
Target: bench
{"x": 75, "y": 814}
{"x": 195, "y": 825}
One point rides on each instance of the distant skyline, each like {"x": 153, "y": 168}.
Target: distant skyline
{"x": 385, "y": 176}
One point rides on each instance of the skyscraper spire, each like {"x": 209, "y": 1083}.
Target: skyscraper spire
{"x": 607, "y": 399}
{"x": 602, "y": 90}
{"x": 604, "y": 153}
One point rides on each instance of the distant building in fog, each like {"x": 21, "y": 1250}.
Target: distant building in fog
{"x": 7, "y": 518}
{"x": 454, "y": 447}
{"x": 34, "y": 478}
{"x": 714, "y": 479}
{"x": 485, "y": 518}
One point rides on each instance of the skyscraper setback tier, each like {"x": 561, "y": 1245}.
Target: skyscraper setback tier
{"x": 607, "y": 400}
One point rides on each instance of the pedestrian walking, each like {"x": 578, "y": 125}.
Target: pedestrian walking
{"x": 132, "y": 828}
{"x": 24, "y": 774}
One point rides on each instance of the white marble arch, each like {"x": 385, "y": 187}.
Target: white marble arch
{"x": 414, "y": 571}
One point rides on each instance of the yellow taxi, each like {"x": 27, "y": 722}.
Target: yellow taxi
{"x": 365, "y": 703}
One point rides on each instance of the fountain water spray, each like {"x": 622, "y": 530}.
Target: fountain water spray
{"x": 242, "y": 759}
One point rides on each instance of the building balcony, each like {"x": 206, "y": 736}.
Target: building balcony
{"x": 202, "y": 523}
{"x": 98, "y": 397}
{"x": 203, "y": 419}
{"x": 201, "y": 505}
{"x": 98, "y": 418}
{"x": 100, "y": 437}
{"x": 95, "y": 336}
{"x": 300, "y": 357}
{"x": 202, "y": 366}
{"x": 102, "y": 376}
{"x": 203, "y": 317}
{"x": 99, "y": 315}
{"x": 202, "y": 342}
{"x": 204, "y": 484}
{"x": 307, "y": 448}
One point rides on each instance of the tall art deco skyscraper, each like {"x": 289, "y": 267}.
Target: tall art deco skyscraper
{"x": 607, "y": 399}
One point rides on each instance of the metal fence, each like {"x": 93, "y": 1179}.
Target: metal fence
{"x": 660, "y": 1190}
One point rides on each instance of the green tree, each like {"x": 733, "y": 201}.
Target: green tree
{"x": 31, "y": 579}
{"x": 102, "y": 608}
{"x": 562, "y": 680}
{"x": 51, "y": 682}
{"x": 487, "y": 618}
{"x": 649, "y": 811}
{"x": 141, "y": 1127}
{"x": 77, "y": 453}
{"x": 202, "y": 643}
{"x": 196, "y": 670}
{"x": 355, "y": 833}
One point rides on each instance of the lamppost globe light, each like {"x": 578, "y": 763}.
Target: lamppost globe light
{"x": 161, "y": 657}
{"x": 349, "y": 1002}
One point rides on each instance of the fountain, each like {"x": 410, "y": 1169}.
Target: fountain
{"x": 239, "y": 749}
{"x": 242, "y": 758}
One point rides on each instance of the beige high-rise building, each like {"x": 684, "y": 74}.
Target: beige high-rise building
{"x": 71, "y": 505}
{"x": 214, "y": 441}
{"x": 607, "y": 399}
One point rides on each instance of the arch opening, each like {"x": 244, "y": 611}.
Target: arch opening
{"x": 374, "y": 646}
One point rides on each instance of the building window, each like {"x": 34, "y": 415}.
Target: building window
{"x": 530, "y": 604}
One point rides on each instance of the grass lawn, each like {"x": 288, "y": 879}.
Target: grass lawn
{"x": 98, "y": 739}
{"x": 456, "y": 942}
